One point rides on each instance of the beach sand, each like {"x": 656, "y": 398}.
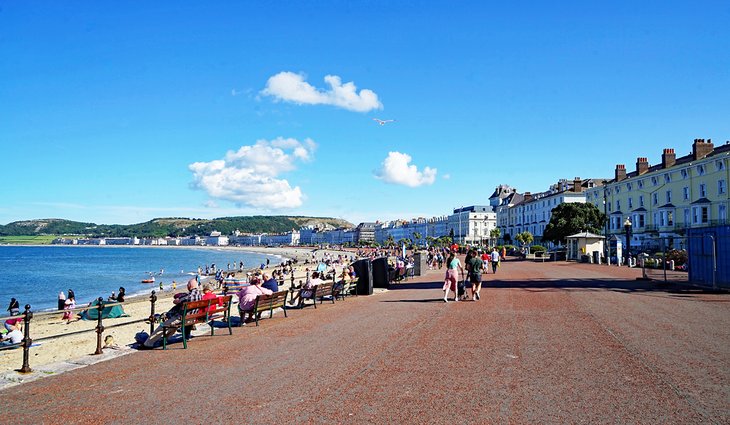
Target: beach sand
{"x": 59, "y": 341}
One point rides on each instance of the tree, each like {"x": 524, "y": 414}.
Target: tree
{"x": 525, "y": 238}
{"x": 494, "y": 234}
{"x": 417, "y": 236}
{"x": 571, "y": 218}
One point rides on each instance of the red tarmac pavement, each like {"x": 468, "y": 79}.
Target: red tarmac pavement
{"x": 547, "y": 343}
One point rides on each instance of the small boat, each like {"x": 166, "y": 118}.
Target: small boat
{"x": 149, "y": 280}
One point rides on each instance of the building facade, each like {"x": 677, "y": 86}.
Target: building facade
{"x": 662, "y": 201}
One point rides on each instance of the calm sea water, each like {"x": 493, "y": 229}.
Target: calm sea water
{"x": 36, "y": 274}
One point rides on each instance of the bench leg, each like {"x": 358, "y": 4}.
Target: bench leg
{"x": 185, "y": 339}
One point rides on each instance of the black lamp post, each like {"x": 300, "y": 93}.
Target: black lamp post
{"x": 627, "y": 227}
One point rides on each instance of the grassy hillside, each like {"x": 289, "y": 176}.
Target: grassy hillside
{"x": 169, "y": 226}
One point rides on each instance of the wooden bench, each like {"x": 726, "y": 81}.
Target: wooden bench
{"x": 320, "y": 291}
{"x": 348, "y": 289}
{"x": 268, "y": 303}
{"x": 203, "y": 311}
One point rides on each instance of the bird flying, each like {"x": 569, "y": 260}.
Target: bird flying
{"x": 382, "y": 122}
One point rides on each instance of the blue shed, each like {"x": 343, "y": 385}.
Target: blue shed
{"x": 708, "y": 249}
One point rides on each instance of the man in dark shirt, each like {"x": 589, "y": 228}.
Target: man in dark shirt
{"x": 474, "y": 266}
{"x": 270, "y": 283}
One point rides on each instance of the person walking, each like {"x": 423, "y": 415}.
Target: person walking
{"x": 453, "y": 266}
{"x": 495, "y": 260}
{"x": 475, "y": 265}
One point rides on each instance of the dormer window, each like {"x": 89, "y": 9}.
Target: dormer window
{"x": 667, "y": 178}
{"x": 684, "y": 173}
{"x": 701, "y": 170}
{"x": 654, "y": 181}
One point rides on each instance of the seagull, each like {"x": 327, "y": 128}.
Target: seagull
{"x": 382, "y": 122}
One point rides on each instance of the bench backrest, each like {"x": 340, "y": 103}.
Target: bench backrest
{"x": 323, "y": 289}
{"x": 270, "y": 301}
{"x": 200, "y": 311}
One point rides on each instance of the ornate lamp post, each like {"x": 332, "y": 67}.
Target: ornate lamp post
{"x": 627, "y": 228}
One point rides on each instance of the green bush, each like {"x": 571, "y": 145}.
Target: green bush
{"x": 537, "y": 248}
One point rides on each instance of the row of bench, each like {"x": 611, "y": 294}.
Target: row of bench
{"x": 208, "y": 311}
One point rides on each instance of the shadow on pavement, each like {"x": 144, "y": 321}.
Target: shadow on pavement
{"x": 542, "y": 284}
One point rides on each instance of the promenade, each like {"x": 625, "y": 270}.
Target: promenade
{"x": 547, "y": 343}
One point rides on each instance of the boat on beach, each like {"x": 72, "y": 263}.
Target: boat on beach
{"x": 149, "y": 280}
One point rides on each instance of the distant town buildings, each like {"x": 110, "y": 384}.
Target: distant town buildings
{"x": 660, "y": 201}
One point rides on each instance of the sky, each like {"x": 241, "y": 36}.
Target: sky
{"x": 121, "y": 112}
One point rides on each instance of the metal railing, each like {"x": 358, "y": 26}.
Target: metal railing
{"x": 28, "y": 316}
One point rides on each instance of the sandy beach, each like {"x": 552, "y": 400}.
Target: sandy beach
{"x": 58, "y": 341}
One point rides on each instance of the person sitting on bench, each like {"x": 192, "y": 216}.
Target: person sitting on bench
{"x": 174, "y": 316}
{"x": 306, "y": 290}
{"x": 247, "y": 297}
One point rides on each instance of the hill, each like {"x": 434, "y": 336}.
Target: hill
{"x": 170, "y": 226}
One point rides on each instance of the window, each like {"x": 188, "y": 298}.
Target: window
{"x": 654, "y": 199}
{"x": 700, "y": 169}
{"x": 670, "y": 218}
{"x": 700, "y": 214}
{"x": 654, "y": 181}
{"x": 722, "y": 212}
{"x": 641, "y": 200}
{"x": 685, "y": 193}
{"x": 669, "y": 196}
{"x": 684, "y": 173}
{"x": 719, "y": 165}
{"x": 628, "y": 186}
{"x": 686, "y": 216}
{"x": 641, "y": 220}
{"x": 667, "y": 178}
{"x": 703, "y": 190}
{"x": 618, "y": 205}
{"x": 721, "y": 187}
{"x": 641, "y": 184}
{"x": 631, "y": 204}
{"x": 617, "y": 189}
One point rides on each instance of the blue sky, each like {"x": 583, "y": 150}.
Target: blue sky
{"x": 115, "y": 112}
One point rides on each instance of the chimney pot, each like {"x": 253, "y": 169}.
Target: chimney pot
{"x": 669, "y": 158}
{"x": 620, "y": 173}
{"x": 701, "y": 149}
{"x": 642, "y": 165}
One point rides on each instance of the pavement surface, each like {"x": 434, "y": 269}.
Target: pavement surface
{"x": 547, "y": 343}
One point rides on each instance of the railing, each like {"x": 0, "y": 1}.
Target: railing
{"x": 28, "y": 315}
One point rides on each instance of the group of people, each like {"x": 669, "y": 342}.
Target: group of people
{"x": 471, "y": 271}
{"x": 13, "y": 327}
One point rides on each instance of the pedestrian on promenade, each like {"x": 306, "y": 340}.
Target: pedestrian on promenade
{"x": 475, "y": 266}
{"x": 495, "y": 260}
{"x": 453, "y": 267}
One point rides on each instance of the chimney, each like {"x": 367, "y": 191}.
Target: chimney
{"x": 620, "y": 172}
{"x": 577, "y": 188}
{"x": 642, "y": 165}
{"x": 528, "y": 196}
{"x": 669, "y": 158}
{"x": 701, "y": 149}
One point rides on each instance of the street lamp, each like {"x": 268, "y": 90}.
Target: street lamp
{"x": 627, "y": 227}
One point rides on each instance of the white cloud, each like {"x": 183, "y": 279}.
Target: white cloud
{"x": 249, "y": 176}
{"x": 446, "y": 176}
{"x": 291, "y": 87}
{"x": 396, "y": 169}
{"x": 210, "y": 204}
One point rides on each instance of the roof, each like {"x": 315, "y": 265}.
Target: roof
{"x": 680, "y": 161}
{"x": 587, "y": 235}
{"x": 702, "y": 201}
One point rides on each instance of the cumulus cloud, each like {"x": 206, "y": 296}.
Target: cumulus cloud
{"x": 250, "y": 175}
{"x": 290, "y": 87}
{"x": 395, "y": 169}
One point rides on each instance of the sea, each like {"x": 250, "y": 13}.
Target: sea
{"x": 36, "y": 274}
